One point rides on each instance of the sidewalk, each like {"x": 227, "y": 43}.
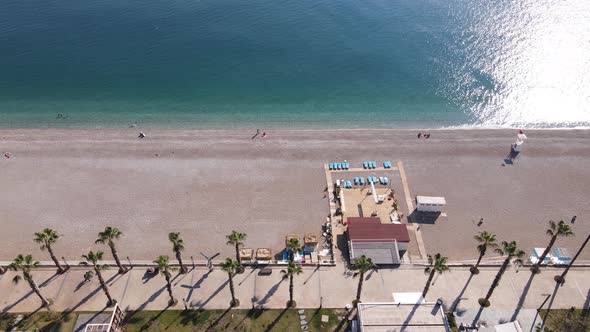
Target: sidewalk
{"x": 333, "y": 287}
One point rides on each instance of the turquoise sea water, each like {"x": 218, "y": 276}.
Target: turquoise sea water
{"x": 296, "y": 64}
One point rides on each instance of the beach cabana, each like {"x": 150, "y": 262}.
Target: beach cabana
{"x": 561, "y": 256}
{"x": 246, "y": 255}
{"x": 310, "y": 243}
{"x": 292, "y": 236}
{"x": 536, "y": 253}
{"x": 263, "y": 256}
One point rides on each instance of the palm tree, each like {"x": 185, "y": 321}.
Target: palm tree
{"x": 231, "y": 266}
{"x": 165, "y": 271}
{"x": 555, "y": 230}
{"x": 485, "y": 239}
{"x": 108, "y": 236}
{"x": 236, "y": 239}
{"x": 361, "y": 265}
{"x": 46, "y": 238}
{"x": 293, "y": 246}
{"x": 25, "y": 264}
{"x": 292, "y": 269}
{"x": 436, "y": 264}
{"x": 177, "y": 247}
{"x": 93, "y": 258}
{"x": 510, "y": 250}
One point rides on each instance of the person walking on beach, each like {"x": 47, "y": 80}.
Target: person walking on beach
{"x": 141, "y": 135}
{"x": 419, "y": 134}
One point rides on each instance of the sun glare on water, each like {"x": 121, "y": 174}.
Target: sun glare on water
{"x": 528, "y": 64}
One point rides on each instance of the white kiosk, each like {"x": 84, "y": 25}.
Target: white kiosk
{"x": 430, "y": 204}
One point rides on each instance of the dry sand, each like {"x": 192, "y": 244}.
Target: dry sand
{"x": 206, "y": 183}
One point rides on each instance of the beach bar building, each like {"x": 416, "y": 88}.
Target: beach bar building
{"x": 385, "y": 244}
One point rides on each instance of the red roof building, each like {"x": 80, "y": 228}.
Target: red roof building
{"x": 385, "y": 244}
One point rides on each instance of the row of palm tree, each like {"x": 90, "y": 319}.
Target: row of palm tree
{"x": 361, "y": 265}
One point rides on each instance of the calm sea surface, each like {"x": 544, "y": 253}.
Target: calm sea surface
{"x": 295, "y": 63}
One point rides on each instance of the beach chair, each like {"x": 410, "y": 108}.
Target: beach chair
{"x": 386, "y": 164}
{"x": 374, "y": 179}
{"x": 381, "y": 180}
{"x": 356, "y": 180}
{"x": 365, "y": 165}
{"x": 338, "y": 166}
{"x": 331, "y": 166}
{"x": 346, "y": 165}
{"x": 374, "y": 164}
{"x": 362, "y": 180}
{"x": 348, "y": 184}
{"x": 385, "y": 180}
{"x": 369, "y": 179}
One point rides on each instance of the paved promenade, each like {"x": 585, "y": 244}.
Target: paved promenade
{"x": 329, "y": 286}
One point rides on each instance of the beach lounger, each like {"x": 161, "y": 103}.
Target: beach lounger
{"x": 356, "y": 180}
{"x": 385, "y": 180}
{"x": 365, "y": 165}
{"x": 374, "y": 179}
{"x": 362, "y": 180}
{"x": 331, "y": 166}
{"x": 369, "y": 179}
{"x": 346, "y": 165}
{"x": 386, "y": 164}
{"x": 381, "y": 180}
{"x": 348, "y": 184}
{"x": 338, "y": 165}
{"x": 374, "y": 164}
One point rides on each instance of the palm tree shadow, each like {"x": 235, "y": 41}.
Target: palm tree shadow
{"x": 48, "y": 280}
{"x": 557, "y": 285}
{"x": 522, "y": 297}
{"x": 586, "y": 307}
{"x": 458, "y": 298}
{"x": 83, "y": 325}
{"x": 147, "y": 325}
{"x": 144, "y": 304}
{"x": 477, "y": 316}
{"x": 24, "y": 297}
{"x": 215, "y": 322}
{"x": 275, "y": 321}
{"x": 311, "y": 275}
{"x": 271, "y": 292}
{"x": 201, "y": 305}
{"x": 246, "y": 277}
{"x": 409, "y": 318}
{"x": 10, "y": 306}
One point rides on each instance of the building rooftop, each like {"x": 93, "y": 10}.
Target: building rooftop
{"x": 391, "y": 317}
{"x": 373, "y": 232}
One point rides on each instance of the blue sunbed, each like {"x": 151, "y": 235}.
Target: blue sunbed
{"x": 331, "y": 165}
{"x": 339, "y": 165}
{"x": 362, "y": 180}
{"x": 374, "y": 164}
{"x": 356, "y": 180}
{"x": 346, "y": 165}
{"x": 385, "y": 180}
{"x": 365, "y": 165}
